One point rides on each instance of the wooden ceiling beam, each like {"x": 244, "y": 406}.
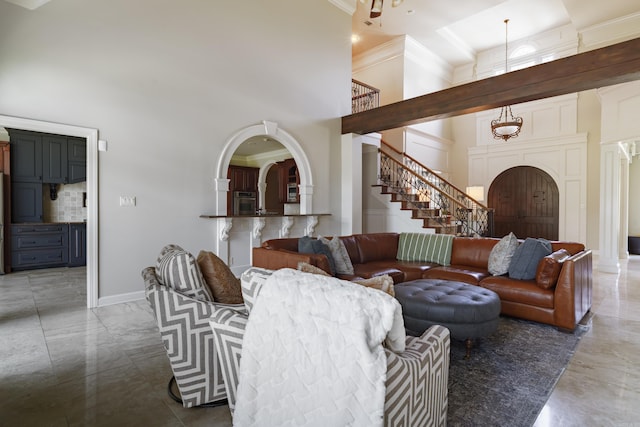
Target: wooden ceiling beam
{"x": 619, "y": 63}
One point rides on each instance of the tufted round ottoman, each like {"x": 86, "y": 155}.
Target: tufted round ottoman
{"x": 468, "y": 311}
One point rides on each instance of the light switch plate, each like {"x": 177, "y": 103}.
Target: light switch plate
{"x": 127, "y": 201}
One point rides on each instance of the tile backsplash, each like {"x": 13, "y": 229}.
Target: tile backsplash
{"x": 68, "y": 207}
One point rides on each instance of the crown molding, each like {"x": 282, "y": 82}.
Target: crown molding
{"x": 379, "y": 54}
{"x": 421, "y": 55}
{"x": 611, "y": 31}
{"x": 348, "y": 6}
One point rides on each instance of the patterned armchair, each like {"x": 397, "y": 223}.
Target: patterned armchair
{"x": 182, "y": 307}
{"x": 417, "y": 379}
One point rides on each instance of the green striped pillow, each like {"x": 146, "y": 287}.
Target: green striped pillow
{"x": 425, "y": 247}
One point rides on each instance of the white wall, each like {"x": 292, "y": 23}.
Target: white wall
{"x": 166, "y": 82}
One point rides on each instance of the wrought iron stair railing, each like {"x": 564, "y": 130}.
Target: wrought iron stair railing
{"x": 363, "y": 97}
{"x": 436, "y": 201}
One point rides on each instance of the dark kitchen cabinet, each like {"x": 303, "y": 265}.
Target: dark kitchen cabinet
{"x": 39, "y": 246}
{"x": 54, "y": 159}
{"x": 26, "y": 156}
{"x": 77, "y": 160}
{"x": 41, "y": 158}
{"x": 46, "y": 158}
{"x": 26, "y": 202}
{"x": 243, "y": 178}
{"x": 289, "y": 181}
{"x": 77, "y": 244}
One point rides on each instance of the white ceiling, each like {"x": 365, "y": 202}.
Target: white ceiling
{"x": 457, "y": 31}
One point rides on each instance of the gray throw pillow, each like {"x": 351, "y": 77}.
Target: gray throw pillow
{"x": 524, "y": 262}
{"x": 307, "y": 245}
{"x": 501, "y": 254}
{"x": 340, "y": 255}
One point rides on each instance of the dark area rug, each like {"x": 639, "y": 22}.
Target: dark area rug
{"x": 510, "y": 374}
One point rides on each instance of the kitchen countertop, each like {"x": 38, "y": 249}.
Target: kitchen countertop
{"x": 278, "y": 215}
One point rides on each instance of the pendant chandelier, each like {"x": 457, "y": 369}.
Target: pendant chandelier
{"x": 506, "y": 125}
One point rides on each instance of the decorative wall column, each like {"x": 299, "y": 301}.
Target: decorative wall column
{"x": 623, "y": 247}
{"x": 609, "y": 208}
{"x": 351, "y": 194}
{"x": 223, "y": 226}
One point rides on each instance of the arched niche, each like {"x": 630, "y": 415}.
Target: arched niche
{"x": 271, "y": 130}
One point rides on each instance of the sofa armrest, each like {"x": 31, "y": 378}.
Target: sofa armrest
{"x": 274, "y": 259}
{"x": 183, "y": 323}
{"x": 228, "y": 325}
{"x": 425, "y": 359}
{"x": 573, "y": 292}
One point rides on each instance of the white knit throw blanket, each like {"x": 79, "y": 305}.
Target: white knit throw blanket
{"x": 312, "y": 353}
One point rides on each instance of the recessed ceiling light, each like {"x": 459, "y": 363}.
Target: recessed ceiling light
{"x": 355, "y": 38}
{"x": 410, "y": 12}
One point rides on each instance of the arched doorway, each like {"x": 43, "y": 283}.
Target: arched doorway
{"x": 267, "y": 129}
{"x": 526, "y": 202}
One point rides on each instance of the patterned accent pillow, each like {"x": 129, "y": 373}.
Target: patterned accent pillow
{"x": 340, "y": 255}
{"x": 308, "y": 268}
{"x": 524, "y": 262}
{"x": 383, "y": 283}
{"x": 307, "y": 245}
{"x": 223, "y": 285}
{"x": 425, "y": 247}
{"x": 251, "y": 282}
{"x": 179, "y": 270}
{"x": 501, "y": 254}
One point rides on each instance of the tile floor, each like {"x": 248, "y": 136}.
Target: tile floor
{"x": 62, "y": 364}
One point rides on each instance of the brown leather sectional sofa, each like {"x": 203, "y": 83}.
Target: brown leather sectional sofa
{"x": 563, "y": 304}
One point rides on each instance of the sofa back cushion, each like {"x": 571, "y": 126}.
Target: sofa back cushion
{"x": 377, "y": 246}
{"x": 351, "y": 244}
{"x": 472, "y": 251}
{"x": 549, "y": 268}
{"x": 290, "y": 244}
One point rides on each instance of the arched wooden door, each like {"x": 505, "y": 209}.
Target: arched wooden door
{"x": 525, "y": 200}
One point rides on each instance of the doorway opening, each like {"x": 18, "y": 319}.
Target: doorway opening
{"x": 526, "y": 202}
{"x": 91, "y": 136}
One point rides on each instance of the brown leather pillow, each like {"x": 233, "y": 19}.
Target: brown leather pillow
{"x": 224, "y": 286}
{"x": 549, "y": 268}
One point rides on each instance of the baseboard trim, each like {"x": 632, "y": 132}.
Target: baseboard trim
{"x": 120, "y": 298}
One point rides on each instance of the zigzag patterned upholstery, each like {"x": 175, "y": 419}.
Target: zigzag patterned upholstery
{"x": 417, "y": 379}
{"x": 184, "y": 328}
{"x": 228, "y": 326}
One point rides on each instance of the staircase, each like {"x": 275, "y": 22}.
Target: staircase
{"x": 432, "y": 199}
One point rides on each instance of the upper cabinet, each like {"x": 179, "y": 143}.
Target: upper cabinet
{"x": 46, "y": 158}
{"x": 26, "y": 158}
{"x": 77, "y": 157}
{"x": 40, "y": 158}
{"x": 243, "y": 178}
{"x": 54, "y": 159}
{"x": 289, "y": 181}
